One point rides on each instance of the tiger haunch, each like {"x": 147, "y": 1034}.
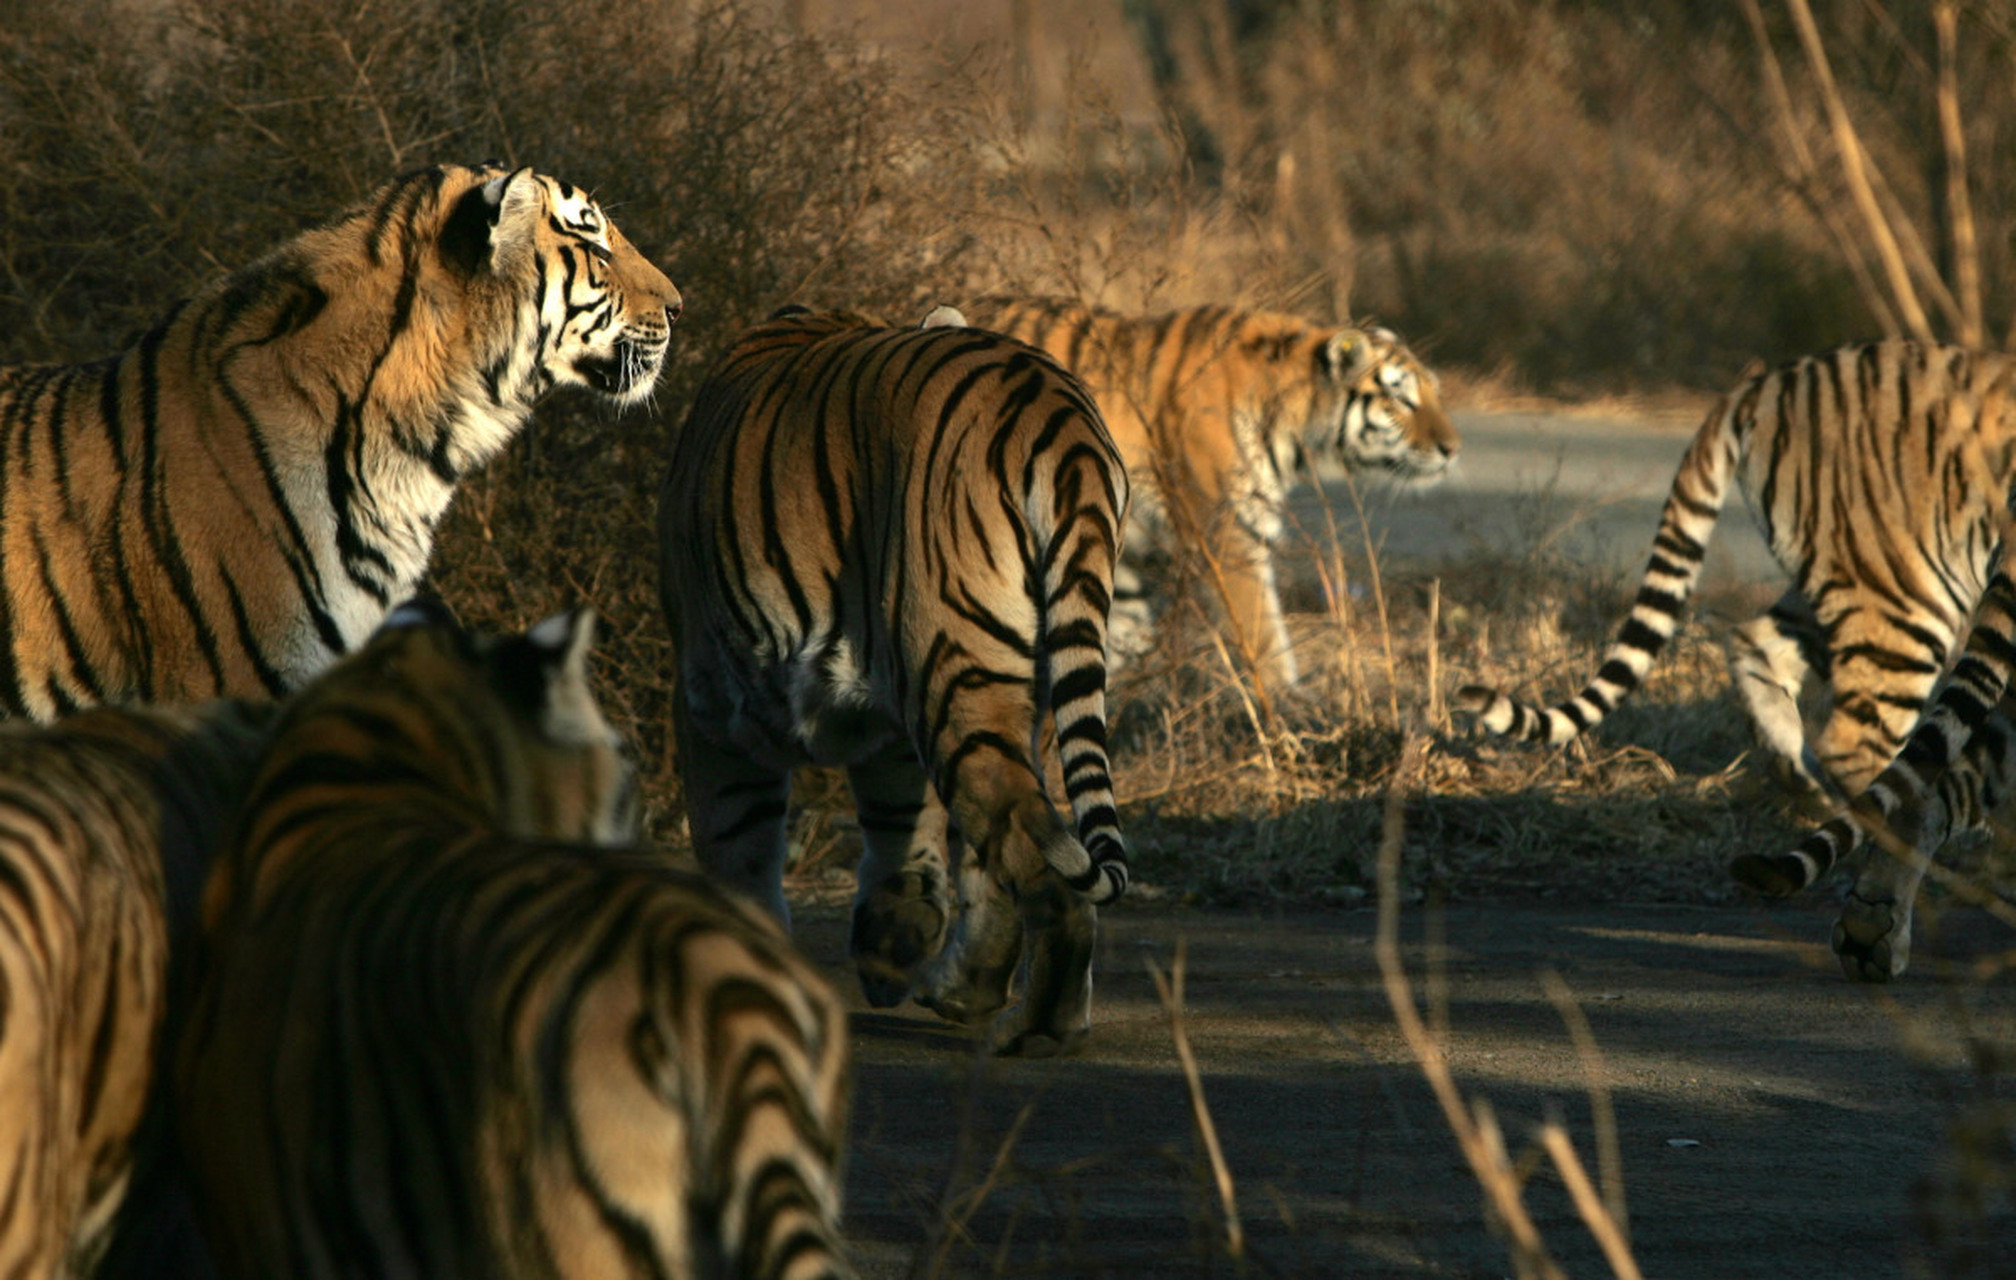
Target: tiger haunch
{"x": 510, "y": 1045}
{"x": 238, "y": 498}
{"x": 892, "y": 549}
{"x": 1882, "y": 476}
{"x": 1218, "y": 414}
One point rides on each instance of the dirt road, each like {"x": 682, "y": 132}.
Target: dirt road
{"x": 1772, "y": 1118}
{"x": 1590, "y": 486}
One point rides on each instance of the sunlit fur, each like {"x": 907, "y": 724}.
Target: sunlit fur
{"x": 242, "y": 494}
{"x": 106, "y": 825}
{"x": 1881, "y": 474}
{"x": 892, "y": 549}
{"x": 448, "y": 1025}
{"x": 1218, "y": 414}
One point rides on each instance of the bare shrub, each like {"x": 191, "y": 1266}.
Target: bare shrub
{"x": 756, "y": 168}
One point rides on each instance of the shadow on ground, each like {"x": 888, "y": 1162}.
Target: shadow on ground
{"x": 1773, "y": 1119}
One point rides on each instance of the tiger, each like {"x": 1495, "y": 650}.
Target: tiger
{"x": 1954, "y": 772}
{"x": 241, "y": 495}
{"x": 891, "y": 549}
{"x": 450, "y": 1021}
{"x": 1225, "y": 411}
{"x": 107, "y": 823}
{"x": 1881, "y": 473}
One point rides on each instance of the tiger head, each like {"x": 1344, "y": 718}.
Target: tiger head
{"x": 505, "y": 726}
{"x": 1377, "y": 408}
{"x": 591, "y": 310}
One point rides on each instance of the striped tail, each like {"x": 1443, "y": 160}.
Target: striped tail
{"x": 1685, "y": 526}
{"x": 1076, "y": 602}
{"x": 1921, "y": 794}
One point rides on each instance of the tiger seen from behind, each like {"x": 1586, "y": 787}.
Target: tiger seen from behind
{"x": 892, "y": 550}
{"x": 1218, "y": 413}
{"x": 241, "y": 495}
{"x": 107, "y": 825}
{"x": 449, "y": 1023}
{"x": 1882, "y": 476}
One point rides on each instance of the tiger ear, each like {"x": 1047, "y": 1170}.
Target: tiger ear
{"x": 568, "y": 712}
{"x": 492, "y": 225}
{"x": 419, "y": 611}
{"x": 944, "y": 316}
{"x": 1345, "y": 355}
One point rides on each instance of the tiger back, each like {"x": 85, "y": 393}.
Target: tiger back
{"x": 1881, "y": 473}
{"x": 107, "y": 823}
{"x": 1218, "y": 413}
{"x": 242, "y": 494}
{"x": 892, "y": 549}
{"x": 450, "y": 1025}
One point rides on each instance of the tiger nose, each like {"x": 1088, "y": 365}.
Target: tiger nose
{"x": 675, "y": 306}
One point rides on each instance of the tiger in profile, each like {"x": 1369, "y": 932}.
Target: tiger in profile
{"x": 892, "y": 550}
{"x": 449, "y": 1023}
{"x": 1218, "y": 413}
{"x": 242, "y": 494}
{"x": 107, "y": 822}
{"x": 1882, "y": 475}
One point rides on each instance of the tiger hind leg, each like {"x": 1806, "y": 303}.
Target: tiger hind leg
{"x": 1770, "y": 658}
{"x": 970, "y": 980}
{"x": 1060, "y": 932}
{"x": 1872, "y": 938}
{"x": 903, "y": 900}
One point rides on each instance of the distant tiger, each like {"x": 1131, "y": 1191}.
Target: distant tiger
{"x": 1228, "y": 410}
{"x": 444, "y": 1029}
{"x": 239, "y": 497}
{"x": 106, "y": 826}
{"x": 892, "y": 549}
{"x": 1882, "y": 474}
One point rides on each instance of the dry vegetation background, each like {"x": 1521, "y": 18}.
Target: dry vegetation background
{"x": 1558, "y": 198}
{"x": 1562, "y": 198}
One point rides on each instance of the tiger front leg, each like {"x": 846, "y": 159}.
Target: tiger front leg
{"x": 1243, "y": 573}
{"x": 735, "y": 808}
{"x": 904, "y": 903}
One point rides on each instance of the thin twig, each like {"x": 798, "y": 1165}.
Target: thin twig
{"x": 1607, "y": 1229}
{"x": 1959, "y": 207}
{"x": 1603, "y": 1113}
{"x": 1169, "y": 989}
{"x": 1855, "y": 166}
{"x": 1475, "y": 1130}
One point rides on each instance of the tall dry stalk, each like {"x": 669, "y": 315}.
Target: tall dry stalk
{"x": 1959, "y": 207}
{"x": 1855, "y": 168}
{"x": 1473, "y": 1122}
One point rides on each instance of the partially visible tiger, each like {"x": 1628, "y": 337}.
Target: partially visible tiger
{"x": 1882, "y": 474}
{"x": 107, "y": 823}
{"x": 240, "y": 496}
{"x": 1953, "y": 773}
{"x": 1218, "y": 413}
{"x": 892, "y": 549}
{"x": 444, "y": 1029}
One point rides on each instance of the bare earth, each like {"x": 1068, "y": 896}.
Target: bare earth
{"x": 1772, "y": 1118}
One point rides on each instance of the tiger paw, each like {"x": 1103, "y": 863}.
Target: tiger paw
{"x": 1778, "y": 875}
{"x": 968, "y": 1005}
{"x": 1012, "y": 1036}
{"x": 1872, "y": 939}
